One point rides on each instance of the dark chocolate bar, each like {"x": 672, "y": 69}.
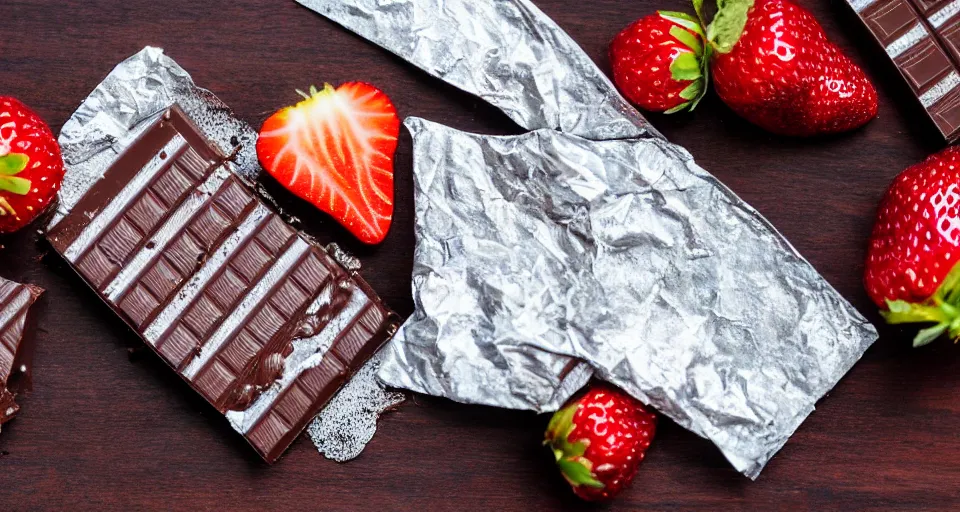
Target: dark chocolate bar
{"x": 262, "y": 323}
{"x": 922, "y": 38}
{"x": 15, "y": 301}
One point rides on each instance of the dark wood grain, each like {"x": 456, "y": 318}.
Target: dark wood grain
{"x": 102, "y": 431}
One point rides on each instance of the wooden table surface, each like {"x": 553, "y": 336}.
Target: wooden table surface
{"x": 104, "y": 431}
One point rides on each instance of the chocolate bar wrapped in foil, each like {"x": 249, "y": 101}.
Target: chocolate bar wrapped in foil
{"x": 114, "y": 116}
{"x": 593, "y": 238}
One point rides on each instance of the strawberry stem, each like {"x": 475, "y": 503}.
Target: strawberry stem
{"x": 578, "y": 473}
{"x": 942, "y": 309}
{"x": 698, "y": 8}
{"x": 727, "y": 25}
{"x": 693, "y": 66}
{"x": 313, "y": 92}
{"x": 575, "y": 467}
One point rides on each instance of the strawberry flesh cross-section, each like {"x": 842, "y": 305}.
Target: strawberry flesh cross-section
{"x": 335, "y": 149}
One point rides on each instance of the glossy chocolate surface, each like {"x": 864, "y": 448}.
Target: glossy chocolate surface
{"x": 922, "y": 38}
{"x": 263, "y": 324}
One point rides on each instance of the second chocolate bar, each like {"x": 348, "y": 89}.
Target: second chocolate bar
{"x": 913, "y": 34}
{"x": 263, "y": 324}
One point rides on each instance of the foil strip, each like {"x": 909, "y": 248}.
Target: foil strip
{"x": 541, "y": 249}
{"x": 506, "y": 52}
{"x": 115, "y": 114}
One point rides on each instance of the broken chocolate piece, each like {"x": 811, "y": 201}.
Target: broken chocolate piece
{"x": 263, "y": 324}
{"x": 15, "y": 302}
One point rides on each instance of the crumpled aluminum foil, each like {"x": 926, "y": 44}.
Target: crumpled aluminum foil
{"x": 506, "y": 52}
{"x": 624, "y": 254}
{"x": 115, "y": 114}
{"x": 538, "y": 248}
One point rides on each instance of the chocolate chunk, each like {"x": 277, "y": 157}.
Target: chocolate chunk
{"x": 15, "y": 301}
{"x": 922, "y": 37}
{"x": 263, "y": 324}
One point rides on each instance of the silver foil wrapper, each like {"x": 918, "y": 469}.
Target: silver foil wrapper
{"x": 624, "y": 254}
{"x": 534, "y": 251}
{"x": 506, "y": 52}
{"x": 115, "y": 114}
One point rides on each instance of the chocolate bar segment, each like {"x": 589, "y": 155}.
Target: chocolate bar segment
{"x": 263, "y": 324}
{"x": 15, "y": 302}
{"x": 942, "y": 17}
{"x": 922, "y": 37}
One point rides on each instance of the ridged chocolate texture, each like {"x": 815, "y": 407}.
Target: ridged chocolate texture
{"x": 264, "y": 325}
{"x": 922, "y": 37}
{"x": 15, "y": 302}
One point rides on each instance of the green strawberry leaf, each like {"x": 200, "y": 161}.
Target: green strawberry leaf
{"x": 727, "y": 25}
{"x": 949, "y": 290}
{"x": 954, "y": 331}
{"x": 685, "y": 67}
{"x": 926, "y": 336}
{"x": 678, "y": 108}
{"x": 578, "y": 474}
{"x": 19, "y": 186}
{"x": 689, "y": 40}
{"x": 698, "y": 8}
{"x": 692, "y": 91}
{"x": 941, "y": 309}
{"x": 903, "y": 312}
{"x": 694, "y": 103}
{"x": 576, "y": 449}
{"x": 557, "y": 454}
{"x": 678, "y": 15}
{"x": 13, "y": 163}
{"x": 682, "y": 19}
{"x": 560, "y": 424}
{"x": 705, "y": 78}
{"x": 703, "y": 91}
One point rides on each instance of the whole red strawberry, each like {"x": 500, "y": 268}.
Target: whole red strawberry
{"x": 658, "y": 62}
{"x": 911, "y": 268}
{"x": 31, "y": 168}
{"x": 599, "y": 441}
{"x": 774, "y": 66}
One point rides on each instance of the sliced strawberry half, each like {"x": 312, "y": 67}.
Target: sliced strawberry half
{"x": 336, "y": 149}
